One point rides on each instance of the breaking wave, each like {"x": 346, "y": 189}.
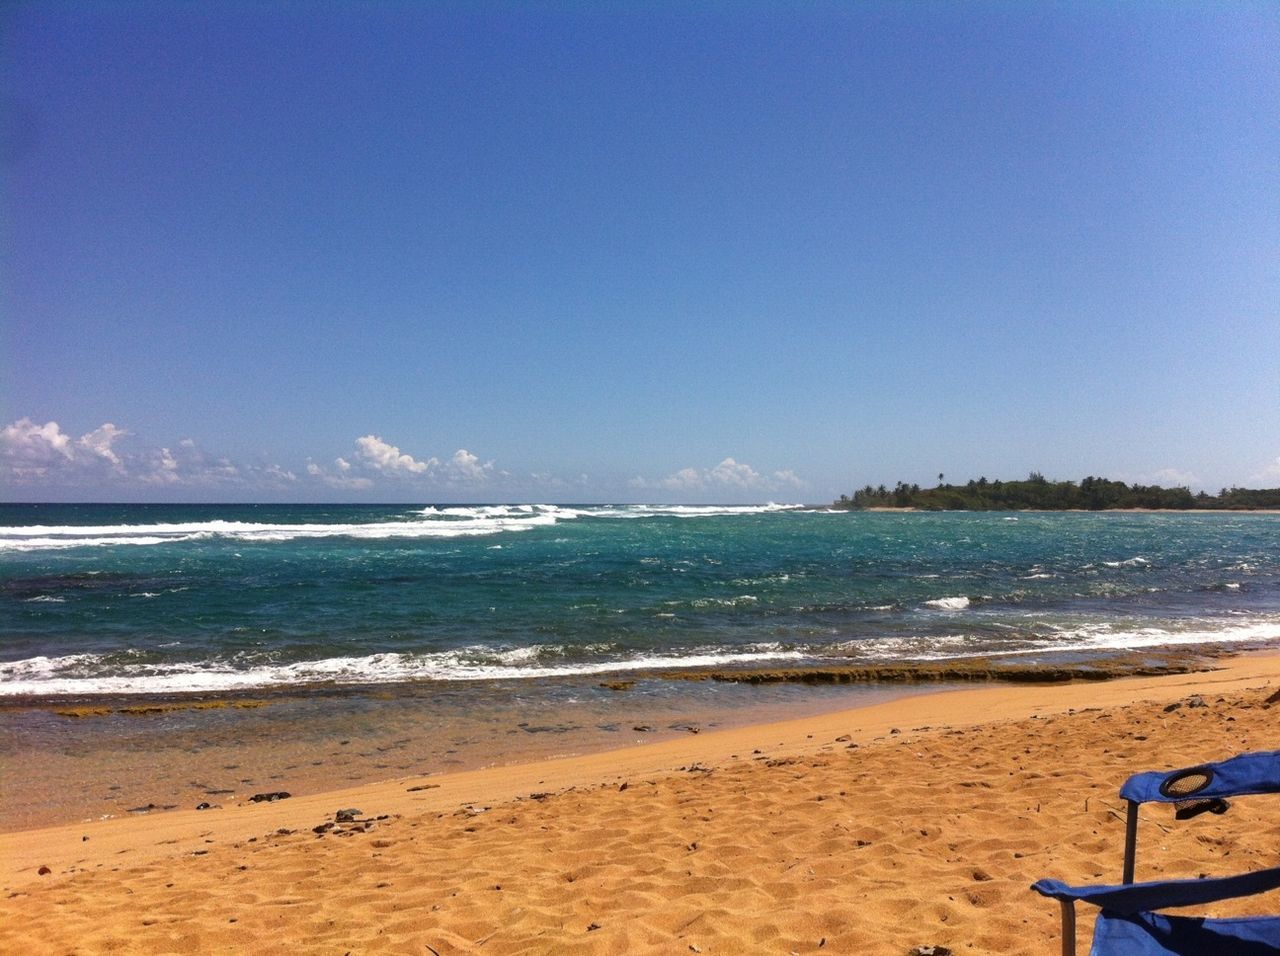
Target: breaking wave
{"x": 447, "y": 522}
{"x": 1080, "y": 639}
{"x": 92, "y": 674}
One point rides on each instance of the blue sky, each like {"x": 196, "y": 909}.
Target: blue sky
{"x": 733, "y": 252}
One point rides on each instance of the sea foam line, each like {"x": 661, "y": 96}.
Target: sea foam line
{"x": 430, "y": 522}
{"x": 58, "y": 676}
{"x": 1088, "y": 638}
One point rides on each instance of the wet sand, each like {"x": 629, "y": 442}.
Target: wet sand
{"x": 65, "y": 762}
{"x": 918, "y": 821}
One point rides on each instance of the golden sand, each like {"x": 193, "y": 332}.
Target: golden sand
{"x": 914, "y": 823}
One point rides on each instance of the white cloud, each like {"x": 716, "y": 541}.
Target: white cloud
{"x": 1172, "y": 477}
{"x": 788, "y": 478}
{"x": 379, "y": 458}
{"x": 1268, "y": 475}
{"x": 388, "y": 459}
{"x": 44, "y": 456}
{"x": 734, "y": 474}
{"x": 189, "y": 465}
{"x": 279, "y": 474}
{"x": 30, "y": 452}
{"x": 729, "y": 475}
{"x": 98, "y": 442}
{"x": 32, "y": 449}
{"x": 343, "y": 479}
{"x": 466, "y": 467}
{"x": 684, "y": 478}
{"x": 164, "y": 470}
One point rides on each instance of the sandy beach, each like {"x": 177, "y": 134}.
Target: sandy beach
{"x": 918, "y": 822}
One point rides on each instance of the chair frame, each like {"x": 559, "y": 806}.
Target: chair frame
{"x": 1238, "y": 776}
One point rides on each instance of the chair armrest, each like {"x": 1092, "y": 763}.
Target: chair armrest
{"x": 1140, "y": 897}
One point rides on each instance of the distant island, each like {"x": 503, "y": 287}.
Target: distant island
{"x": 1036, "y": 493}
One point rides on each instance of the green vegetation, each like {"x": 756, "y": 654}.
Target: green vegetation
{"x": 1037, "y": 493}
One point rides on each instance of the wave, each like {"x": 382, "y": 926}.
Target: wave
{"x": 450, "y": 522}
{"x": 89, "y": 674}
{"x": 949, "y": 603}
{"x": 1082, "y": 639}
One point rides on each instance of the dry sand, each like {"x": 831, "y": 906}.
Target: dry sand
{"x": 913, "y": 823}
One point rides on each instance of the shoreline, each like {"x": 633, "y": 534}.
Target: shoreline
{"x": 93, "y": 758}
{"x": 978, "y": 678}
{"x": 526, "y": 811}
{"x": 66, "y": 762}
{"x": 1057, "y": 668}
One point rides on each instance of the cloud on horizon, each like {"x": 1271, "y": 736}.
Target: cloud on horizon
{"x": 375, "y": 458}
{"x": 1267, "y": 473}
{"x": 729, "y": 475}
{"x": 111, "y": 460}
{"x": 31, "y": 452}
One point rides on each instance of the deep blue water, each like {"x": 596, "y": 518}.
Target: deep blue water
{"x": 161, "y": 598}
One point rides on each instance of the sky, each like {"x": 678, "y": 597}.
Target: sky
{"x": 634, "y": 251}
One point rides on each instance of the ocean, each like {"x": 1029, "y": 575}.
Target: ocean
{"x": 163, "y": 599}
{"x": 156, "y": 656}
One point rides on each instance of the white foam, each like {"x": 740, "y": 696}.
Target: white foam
{"x": 949, "y": 603}
{"x": 1086, "y": 638}
{"x": 453, "y": 522}
{"x": 73, "y": 675}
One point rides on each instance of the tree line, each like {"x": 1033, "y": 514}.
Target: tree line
{"x": 1037, "y": 493}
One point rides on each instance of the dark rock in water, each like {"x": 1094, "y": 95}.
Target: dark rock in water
{"x": 270, "y": 797}
{"x": 346, "y": 816}
{"x": 529, "y": 728}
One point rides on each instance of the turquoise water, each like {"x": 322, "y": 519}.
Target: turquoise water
{"x": 162, "y": 598}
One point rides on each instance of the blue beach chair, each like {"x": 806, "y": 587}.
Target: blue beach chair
{"x": 1128, "y": 925}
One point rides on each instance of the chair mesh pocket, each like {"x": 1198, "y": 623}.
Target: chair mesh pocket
{"x": 1184, "y": 783}
{"x": 1187, "y": 783}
